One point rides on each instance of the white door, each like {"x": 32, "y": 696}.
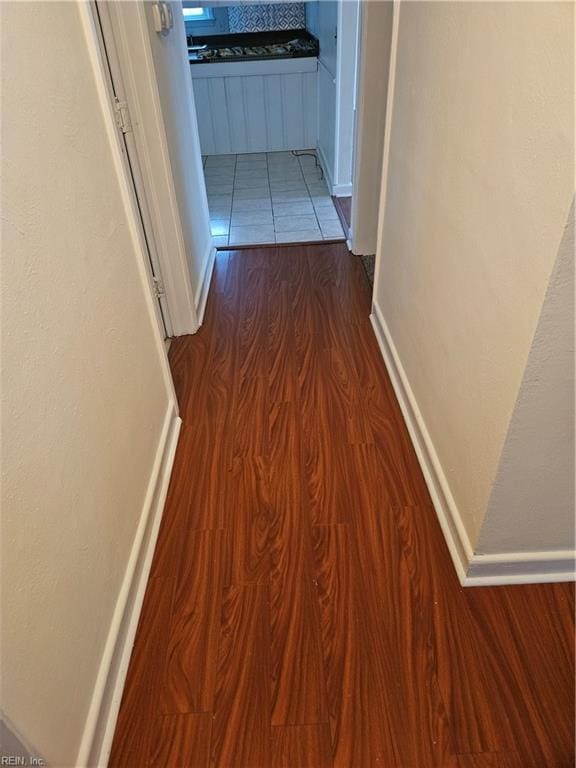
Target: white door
{"x": 118, "y": 94}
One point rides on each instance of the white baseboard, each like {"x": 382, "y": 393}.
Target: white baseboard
{"x": 473, "y": 569}
{"x": 342, "y": 190}
{"x": 204, "y": 286}
{"x": 444, "y": 504}
{"x": 337, "y": 190}
{"x": 101, "y": 721}
{"x": 325, "y": 168}
{"x": 521, "y": 568}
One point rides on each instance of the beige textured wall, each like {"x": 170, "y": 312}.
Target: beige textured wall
{"x": 532, "y": 502}
{"x": 83, "y": 395}
{"x": 479, "y": 186}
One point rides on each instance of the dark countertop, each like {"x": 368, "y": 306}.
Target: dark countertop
{"x": 253, "y": 46}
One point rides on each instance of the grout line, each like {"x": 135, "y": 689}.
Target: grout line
{"x": 232, "y": 200}
{"x": 271, "y": 203}
{"x": 326, "y": 237}
{"x": 276, "y": 234}
{"x": 252, "y": 211}
{"x": 311, "y": 201}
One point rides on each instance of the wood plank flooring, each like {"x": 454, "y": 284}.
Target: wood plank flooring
{"x": 302, "y": 609}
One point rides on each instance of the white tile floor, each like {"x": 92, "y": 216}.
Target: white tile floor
{"x": 273, "y": 197}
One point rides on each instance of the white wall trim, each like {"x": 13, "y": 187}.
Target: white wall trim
{"x": 100, "y": 721}
{"x": 473, "y": 569}
{"x": 126, "y": 188}
{"x": 338, "y": 190}
{"x": 444, "y": 504}
{"x": 521, "y": 568}
{"x": 387, "y": 138}
{"x": 204, "y": 284}
{"x": 346, "y": 58}
{"x": 338, "y": 96}
{"x": 99, "y": 728}
{"x": 342, "y": 190}
{"x": 373, "y": 60}
{"x": 325, "y": 169}
{"x": 358, "y": 122}
{"x": 137, "y": 65}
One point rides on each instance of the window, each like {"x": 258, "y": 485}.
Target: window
{"x": 198, "y": 19}
{"x": 198, "y": 14}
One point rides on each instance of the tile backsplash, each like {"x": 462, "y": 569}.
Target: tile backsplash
{"x": 261, "y": 18}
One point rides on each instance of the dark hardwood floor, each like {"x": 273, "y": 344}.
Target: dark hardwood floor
{"x": 302, "y": 609}
{"x": 343, "y": 207}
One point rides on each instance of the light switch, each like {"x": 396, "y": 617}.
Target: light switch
{"x": 163, "y": 19}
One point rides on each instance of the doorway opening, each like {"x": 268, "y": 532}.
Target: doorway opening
{"x": 274, "y": 89}
{"x": 240, "y": 145}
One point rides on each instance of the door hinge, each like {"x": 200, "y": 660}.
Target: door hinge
{"x": 122, "y": 114}
{"x": 158, "y": 287}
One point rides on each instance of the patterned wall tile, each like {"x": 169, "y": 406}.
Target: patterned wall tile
{"x": 261, "y": 18}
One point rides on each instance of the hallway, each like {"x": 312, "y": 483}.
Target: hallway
{"x": 302, "y": 608}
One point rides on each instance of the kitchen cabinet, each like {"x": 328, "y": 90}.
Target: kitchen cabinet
{"x": 256, "y": 106}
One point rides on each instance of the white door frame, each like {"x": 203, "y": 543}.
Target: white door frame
{"x": 360, "y": 53}
{"x": 118, "y": 96}
{"x": 346, "y": 76}
{"x": 126, "y": 32}
{"x": 387, "y": 132}
{"x": 100, "y": 68}
{"x": 371, "y": 128}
